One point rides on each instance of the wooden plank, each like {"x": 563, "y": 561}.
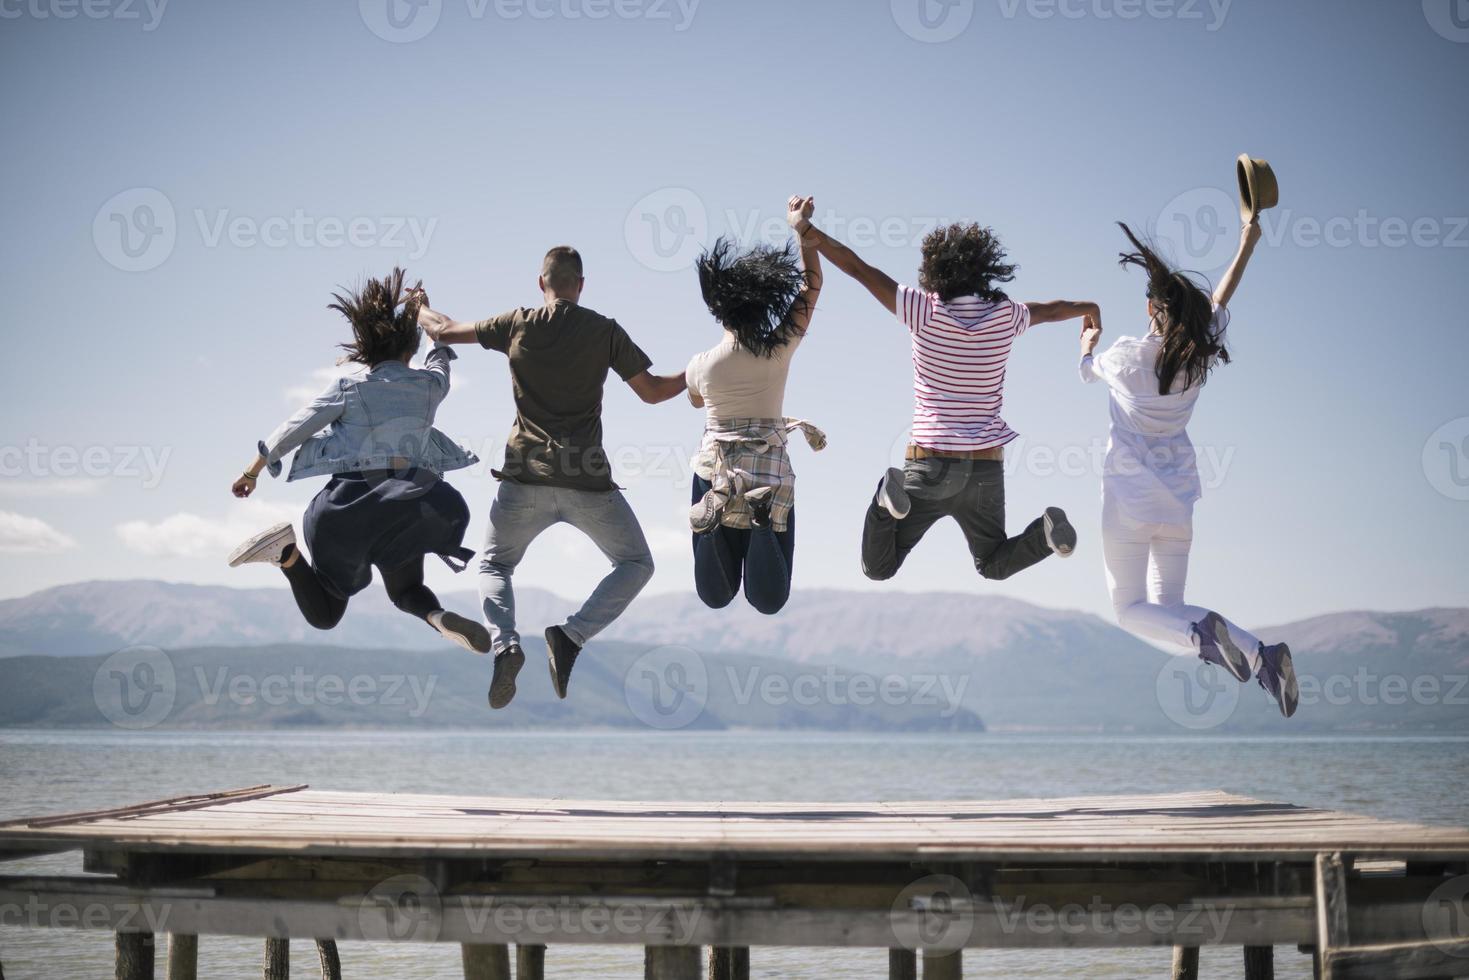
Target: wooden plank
{"x": 943, "y": 966}
{"x": 482, "y": 962}
{"x": 277, "y": 965}
{"x": 174, "y": 804}
{"x": 331, "y": 961}
{"x": 530, "y": 962}
{"x": 672, "y": 963}
{"x": 1399, "y": 961}
{"x": 1185, "y": 963}
{"x": 1259, "y": 963}
{"x": 1332, "y": 921}
{"x": 902, "y": 964}
{"x": 134, "y": 956}
{"x": 729, "y": 963}
{"x": 183, "y": 957}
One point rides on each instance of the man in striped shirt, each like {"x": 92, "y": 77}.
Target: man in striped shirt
{"x": 962, "y": 325}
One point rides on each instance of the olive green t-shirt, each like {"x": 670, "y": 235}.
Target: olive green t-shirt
{"x": 559, "y": 358}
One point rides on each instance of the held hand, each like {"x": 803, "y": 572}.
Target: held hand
{"x": 799, "y": 211}
{"x": 417, "y": 295}
{"x": 1091, "y": 334}
{"x": 243, "y": 486}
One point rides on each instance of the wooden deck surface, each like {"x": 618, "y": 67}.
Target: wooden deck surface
{"x": 302, "y": 821}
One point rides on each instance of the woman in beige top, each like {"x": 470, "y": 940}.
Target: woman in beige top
{"x": 743, "y": 512}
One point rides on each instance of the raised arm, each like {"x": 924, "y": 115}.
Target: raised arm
{"x": 1248, "y": 237}
{"x": 656, "y": 388}
{"x": 444, "y": 330}
{"x": 1059, "y": 310}
{"x": 877, "y": 282}
{"x": 798, "y": 214}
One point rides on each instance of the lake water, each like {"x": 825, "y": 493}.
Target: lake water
{"x": 1419, "y": 779}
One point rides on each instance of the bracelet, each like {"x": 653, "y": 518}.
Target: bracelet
{"x": 247, "y": 476}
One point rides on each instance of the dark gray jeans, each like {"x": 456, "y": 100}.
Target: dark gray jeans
{"x": 972, "y": 492}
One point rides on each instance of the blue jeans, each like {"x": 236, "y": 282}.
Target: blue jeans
{"x": 521, "y": 512}
{"x": 762, "y": 556}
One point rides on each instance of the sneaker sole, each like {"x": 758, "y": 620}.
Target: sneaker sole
{"x": 893, "y": 496}
{"x": 252, "y": 549}
{"x": 551, "y": 663}
{"x": 1235, "y": 660}
{"x": 467, "y": 633}
{"x": 1060, "y": 535}
{"x": 502, "y": 686}
{"x": 1290, "y": 690}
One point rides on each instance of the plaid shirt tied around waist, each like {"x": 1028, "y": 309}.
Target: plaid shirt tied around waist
{"x": 754, "y": 451}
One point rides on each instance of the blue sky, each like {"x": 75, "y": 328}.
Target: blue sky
{"x": 184, "y": 183}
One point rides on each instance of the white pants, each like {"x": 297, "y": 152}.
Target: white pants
{"x": 1147, "y": 567}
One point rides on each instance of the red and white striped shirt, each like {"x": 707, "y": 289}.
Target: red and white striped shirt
{"x": 960, "y": 350}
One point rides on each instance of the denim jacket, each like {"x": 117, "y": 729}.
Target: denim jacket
{"x": 382, "y": 420}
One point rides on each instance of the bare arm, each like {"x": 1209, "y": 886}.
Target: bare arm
{"x": 1249, "y": 235}
{"x": 443, "y": 330}
{"x": 656, "y": 388}
{"x": 798, "y": 213}
{"x": 1059, "y": 310}
{"x": 877, "y": 282}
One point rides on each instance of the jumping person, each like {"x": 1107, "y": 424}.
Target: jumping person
{"x": 743, "y": 512}
{"x": 387, "y": 504}
{"x": 1151, "y": 479}
{"x": 962, "y": 327}
{"x": 556, "y": 471}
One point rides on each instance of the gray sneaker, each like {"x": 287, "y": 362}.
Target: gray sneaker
{"x": 1217, "y": 647}
{"x": 892, "y": 496}
{"x": 507, "y": 664}
{"x": 1060, "y": 535}
{"x": 1277, "y": 675}
{"x": 270, "y": 545}
{"x": 705, "y": 515}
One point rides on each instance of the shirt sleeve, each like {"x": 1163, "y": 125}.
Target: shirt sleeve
{"x": 694, "y": 377}
{"x": 626, "y": 357}
{"x": 1020, "y": 315}
{"x": 915, "y": 307}
{"x": 497, "y": 332}
{"x": 1219, "y": 325}
{"x": 322, "y": 411}
{"x": 437, "y": 365}
{"x": 1089, "y": 372}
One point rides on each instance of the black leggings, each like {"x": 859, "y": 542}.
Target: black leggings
{"x": 324, "y": 609}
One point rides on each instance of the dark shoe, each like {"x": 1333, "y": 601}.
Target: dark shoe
{"x": 892, "y": 496}
{"x": 507, "y": 664}
{"x": 759, "y": 501}
{"x": 1060, "y": 535}
{"x": 468, "y": 633}
{"x": 1277, "y": 675}
{"x": 1217, "y": 647}
{"x": 561, "y": 651}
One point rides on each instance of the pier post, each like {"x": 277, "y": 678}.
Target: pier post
{"x": 277, "y": 959}
{"x": 331, "y": 962}
{"x": 482, "y": 962}
{"x": 530, "y": 962}
{"x": 672, "y": 963}
{"x": 1185, "y": 963}
{"x": 729, "y": 963}
{"x": 1259, "y": 963}
{"x": 134, "y": 956}
{"x": 943, "y": 966}
{"x": 183, "y": 957}
{"x": 902, "y": 964}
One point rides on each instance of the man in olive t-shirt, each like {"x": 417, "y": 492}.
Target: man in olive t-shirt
{"x": 556, "y": 470}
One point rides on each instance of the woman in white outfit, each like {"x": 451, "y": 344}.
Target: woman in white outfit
{"x": 1151, "y": 478}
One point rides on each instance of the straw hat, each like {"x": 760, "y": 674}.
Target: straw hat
{"x": 1258, "y": 189}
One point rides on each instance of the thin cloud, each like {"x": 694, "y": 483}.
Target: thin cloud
{"x": 189, "y": 535}
{"x": 20, "y": 534}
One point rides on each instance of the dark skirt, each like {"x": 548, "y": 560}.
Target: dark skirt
{"x": 359, "y": 520}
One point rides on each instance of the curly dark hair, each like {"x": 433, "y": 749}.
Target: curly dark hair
{"x": 964, "y": 260}
{"x": 755, "y": 294}
{"x": 1184, "y": 311}
{"x": 380, "y": 330}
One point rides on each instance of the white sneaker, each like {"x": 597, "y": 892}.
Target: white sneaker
{"x": 704, "y": 516}
{"x": 268, "y": 546}
{"x": 891, "y": 495}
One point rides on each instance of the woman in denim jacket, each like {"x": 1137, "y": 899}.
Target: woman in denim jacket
{"x": 386, "y": 504}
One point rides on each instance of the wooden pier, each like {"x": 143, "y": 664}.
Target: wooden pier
{"x": 702, "y": 886}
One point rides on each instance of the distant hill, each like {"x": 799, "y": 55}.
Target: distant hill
{"x": 1017, "y": 666}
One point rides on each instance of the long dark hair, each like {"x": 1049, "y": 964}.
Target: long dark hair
{"x": 380, "y": 330}
{"x": 755, "y": 294}
{"x": 1184, "y": 313}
